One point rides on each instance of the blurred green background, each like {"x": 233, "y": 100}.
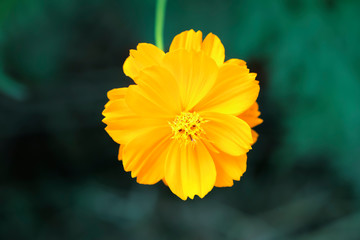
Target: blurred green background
{"x": 59, "y": 174}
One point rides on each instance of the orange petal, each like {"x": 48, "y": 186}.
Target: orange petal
{"x": 116, "y": 108}
{"x": 195, "y": 74}
{"x": 255, "y": 136}
{"x": 235, "y": 91}
{"x": 251, "y": 116}
{"x": 162, "y": 86}
{"x": 146, "y": 55}
{"x": 164, "y": 181}
{"x": 227, "y": 133}
{"x": 236, "y": 62}
{"x": 117, "y": 93}
{"x": 189, "y": 170}
{"x": 228, "y": 168}
{"x": 123, "y": 124}
{"x": 213, "y": 47}
{"x": 156, "y": 95}
{"x": 120, "y": 154}
{"x": 145, "y": 155}
{"x": 189, "y": 40}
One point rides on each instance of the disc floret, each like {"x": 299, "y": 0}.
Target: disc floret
{"x": 187, "y": 128}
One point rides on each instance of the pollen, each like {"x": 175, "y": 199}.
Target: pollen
{"x": 186, "y": 127}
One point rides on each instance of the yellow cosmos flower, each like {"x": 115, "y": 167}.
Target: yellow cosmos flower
{"x": 187, "y": 119}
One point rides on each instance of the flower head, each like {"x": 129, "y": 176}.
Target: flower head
{"x": 187, "y": 119}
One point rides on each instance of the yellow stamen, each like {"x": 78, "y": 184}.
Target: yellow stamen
{"x": 187, "y": 127}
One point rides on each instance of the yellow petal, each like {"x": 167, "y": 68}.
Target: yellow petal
{"x": 145, "y": 155}
{"x": 189, "y": 170}
{"x": 228, "y": 133}
{"x": 123, "y": 124}
{"x": 195, "y": 74}
{"x": 189, "y": 40}
{"x": 228, "y": 168}
{"x": 235, "y": 91}
{"x": 213, "y": 47}
{"x": 146, "y": 55}
{"x": 157, "y": 93}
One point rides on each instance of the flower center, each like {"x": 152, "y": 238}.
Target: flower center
{"x": 187, "y": 127}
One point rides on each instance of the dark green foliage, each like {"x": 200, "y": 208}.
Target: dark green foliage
{"x": 59, "y": 175}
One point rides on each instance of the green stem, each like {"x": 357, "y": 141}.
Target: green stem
{"x": 159, "y": 23}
